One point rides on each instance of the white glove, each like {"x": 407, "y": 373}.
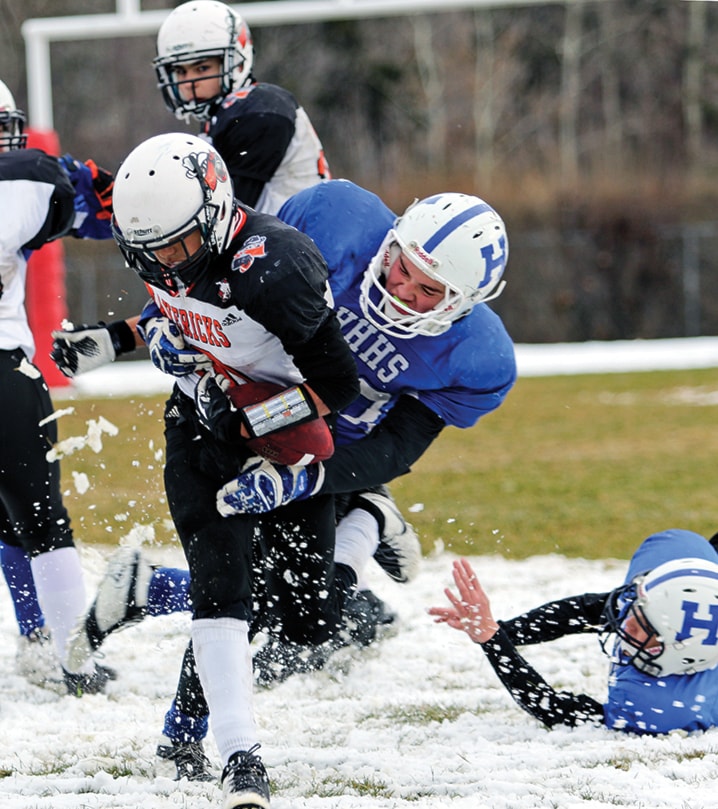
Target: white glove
{"x": 78, "y": 349}
{"x": 262, "y": 486}
{"x": 168, "y": 350}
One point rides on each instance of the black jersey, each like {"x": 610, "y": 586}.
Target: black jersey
{"x": 268, "y": 144}
{"x": 260, "y": 309}
{"x": 51, "y": 192}
{"x": 36, "y": 199}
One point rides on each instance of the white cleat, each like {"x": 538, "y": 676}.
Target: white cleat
{"x": 121, "y": 601}
{"x": 399, "y": 551}
{"x": 37, "y": 662}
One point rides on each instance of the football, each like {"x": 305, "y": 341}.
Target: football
{"x": 300, "y": 444}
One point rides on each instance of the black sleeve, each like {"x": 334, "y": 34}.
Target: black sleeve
{"x": 387, "y": 451}
{"x": 327, "y": 364}
{"x": 287, "y": 297}
{"x": 532, "y": 693}
{"x": 253, "y": 147}
{"x": 568, "y": 616}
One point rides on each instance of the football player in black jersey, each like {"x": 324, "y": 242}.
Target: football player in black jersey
{"x": 42, "y": 198}
{"x": 204, "y": 67}
{"x": 247, "y": 292}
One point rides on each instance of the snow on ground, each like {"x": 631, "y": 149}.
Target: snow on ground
{"x": 420, "y": 718}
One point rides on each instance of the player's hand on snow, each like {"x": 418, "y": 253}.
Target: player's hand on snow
{"x": 78, "y": 349}
{"x": 262, "y": 486}
{"x": 471, "y": 612}
{"x": 168, "y": 350}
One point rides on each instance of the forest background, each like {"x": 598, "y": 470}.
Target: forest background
{"x": 591, "y": 126}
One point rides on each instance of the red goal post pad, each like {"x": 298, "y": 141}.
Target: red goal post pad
{"x": 45, "y": 293}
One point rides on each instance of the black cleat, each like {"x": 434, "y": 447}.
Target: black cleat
{"x": 364, "y": 618}
{"x": 399, "y": 551}
{"x": 79, "y": 684}
{"x": 245, "y": 784}
{"x": 120, "y": 602}
{"x": 189, "y": 759}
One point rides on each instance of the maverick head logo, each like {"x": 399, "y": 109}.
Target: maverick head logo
{"x": 252, "y": 249}
{"x": 208, "y": 167}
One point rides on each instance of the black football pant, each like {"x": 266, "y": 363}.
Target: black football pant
{"x": 275, "y": 571}
{"x": 32, "y": 514}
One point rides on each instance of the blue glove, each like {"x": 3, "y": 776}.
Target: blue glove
{"x": 168, "y": 350}
{"x": 262, "y": 486}
{"x": 93, "y": 198}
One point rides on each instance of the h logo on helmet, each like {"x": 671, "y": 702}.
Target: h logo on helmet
{"x": 691, "y": 623}
{"x": 494, "y": 261}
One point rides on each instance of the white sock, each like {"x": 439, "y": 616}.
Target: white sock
{"x": 357, "y": 540}
{"x": 224, "y": 663}
{"x": 60, "y": 589}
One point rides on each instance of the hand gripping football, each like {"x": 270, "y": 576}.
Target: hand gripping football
{"x": 300, "y": 444}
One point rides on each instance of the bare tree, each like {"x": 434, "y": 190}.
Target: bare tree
{"x": 608, "y": 18}
{"x": 570, "y": 93}
{"x": 433, "y": 86}
{"x": 484, "y": 107}
{"x": 693, "y": 81}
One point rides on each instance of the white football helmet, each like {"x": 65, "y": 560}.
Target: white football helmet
{"x": 167, "y": 187}
{"x": 456, "y": 239}
{"x": 195, "y": 31}
{"x": 675, "y": 607}
{"x": 12, "y": 122}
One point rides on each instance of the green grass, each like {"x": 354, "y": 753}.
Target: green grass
{"x": 582, "y": 466}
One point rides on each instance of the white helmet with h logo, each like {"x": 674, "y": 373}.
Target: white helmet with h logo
{"x": 457, "y": 240}
{"x": 676, "y": 607}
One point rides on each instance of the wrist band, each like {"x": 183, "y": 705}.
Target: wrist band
{"x": 289, "y": 407}
{"x": 123, "y": 338}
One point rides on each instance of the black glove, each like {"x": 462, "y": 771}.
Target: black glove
{"x": 215, "y": 410}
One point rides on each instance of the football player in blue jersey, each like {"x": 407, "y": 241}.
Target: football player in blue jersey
{"x": 410, "y": 296}
{"x": 660, "y": 628}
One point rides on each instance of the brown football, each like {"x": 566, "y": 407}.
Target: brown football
{"x": 300, "y": 444}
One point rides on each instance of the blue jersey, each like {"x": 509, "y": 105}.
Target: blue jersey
{"x": 640, "y": 703}
{"x": 460, "y": 375}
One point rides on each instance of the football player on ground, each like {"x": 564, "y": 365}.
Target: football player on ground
{"x": 660, "y": 627}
